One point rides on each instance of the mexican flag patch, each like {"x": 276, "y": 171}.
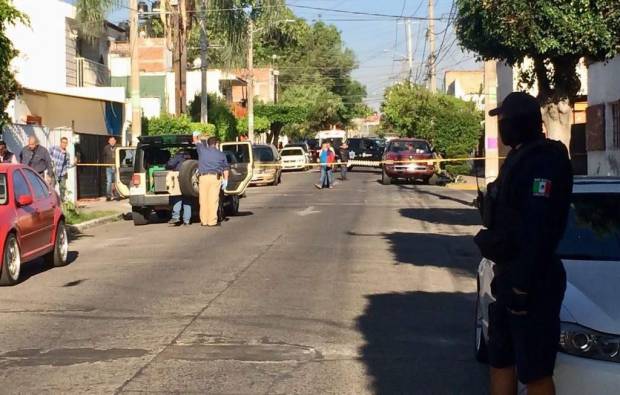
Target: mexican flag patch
{"x": 542, "y": 187}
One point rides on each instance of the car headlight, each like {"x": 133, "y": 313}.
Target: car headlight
{"x": 583, "y": 342}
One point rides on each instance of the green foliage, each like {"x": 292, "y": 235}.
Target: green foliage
{"x": 74, "y": 216}
{"x": 451, "y": 125}
{"x": 323, "y": 107}
{"x": 167, "y": 124}
{"x": 9, "y": 15}
{"x": 90, "y": 15}
{"x": 220, "y": 116}
{"x": 261, "y": 124}
{"x": 555, "y": 34}
{"x": 281, "y": 113}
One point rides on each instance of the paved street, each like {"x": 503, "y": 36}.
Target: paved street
{"x": 361, "y": 289}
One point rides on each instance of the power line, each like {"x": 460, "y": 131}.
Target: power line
{"x": 361, "y": 13}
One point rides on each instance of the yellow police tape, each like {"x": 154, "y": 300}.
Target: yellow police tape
{"x": 353, "y": 162}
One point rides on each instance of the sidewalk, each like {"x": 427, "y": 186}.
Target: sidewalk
{"x": 466, "y": 183}
{"x": 100, "y": 204}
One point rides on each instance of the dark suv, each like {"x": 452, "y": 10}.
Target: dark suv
{"x": 364, "y": 150}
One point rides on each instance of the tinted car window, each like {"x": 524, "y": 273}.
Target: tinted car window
{"x": 40, "y": 190}
{"x": 417, "y": 146}
{"x": 292, "y": 152}
{"x": 3, "y": 192}
{"x": 20, "y": 186}
{"x": 593, "y": 228}
{"x": 263, "y": 154}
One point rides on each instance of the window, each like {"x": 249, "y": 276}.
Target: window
{"x": 3, "y": 192}
{"x": 20, "y": 185}
{"x": 615, "y": 124}
{"x": 39, "y": 187}
{"x": 263, "y": 154}
{"x": 593, "y": 228}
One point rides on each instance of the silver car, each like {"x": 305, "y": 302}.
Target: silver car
{"x": 589, "y": 357}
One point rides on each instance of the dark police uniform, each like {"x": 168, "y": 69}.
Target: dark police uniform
{"x": 212, "y": 164}
{"x": 525, "y": 213}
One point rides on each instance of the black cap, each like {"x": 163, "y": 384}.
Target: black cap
{"x": 517, "y": 104}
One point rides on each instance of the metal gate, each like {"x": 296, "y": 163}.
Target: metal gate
{"x": 90, "y": 179}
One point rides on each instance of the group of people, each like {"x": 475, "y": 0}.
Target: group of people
{"x": 328, "y": 160}
{"x": 52, "y": 165}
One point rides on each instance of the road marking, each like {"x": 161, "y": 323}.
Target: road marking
{"x": 308, "y": 211}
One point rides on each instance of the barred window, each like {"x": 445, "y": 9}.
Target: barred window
{"x": 615, "y": 124}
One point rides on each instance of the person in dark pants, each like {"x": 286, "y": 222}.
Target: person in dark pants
{"x": 37, "y": 157}
{"x": 525, "y": 212}
{"x": 343, "y": 152}
{"x": 180, "y": 202}
{"x": 108, "y": 157}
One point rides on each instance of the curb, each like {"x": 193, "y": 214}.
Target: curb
{"x": 79, "y": 228}
{"x": 462, "y": 187}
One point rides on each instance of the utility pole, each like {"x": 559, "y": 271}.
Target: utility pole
{"x": 136, "y": 113}
{"x": 251, "y": 80}
{"x": 432, "y": 73}
{"x": 409, "y": 48}
{"x": 179, "y": 60}
{"x": 204, "y": 45}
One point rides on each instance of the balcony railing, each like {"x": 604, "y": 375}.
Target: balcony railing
{"x": 91, "y": 73}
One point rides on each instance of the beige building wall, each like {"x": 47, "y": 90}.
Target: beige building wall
{"x": 60, "y": 111}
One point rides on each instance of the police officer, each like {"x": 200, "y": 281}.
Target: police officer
{"x": 525, "y": 212}
{"x": 213, "y": 168}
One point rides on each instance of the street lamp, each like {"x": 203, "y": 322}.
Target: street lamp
{"x": 251, "y": 31}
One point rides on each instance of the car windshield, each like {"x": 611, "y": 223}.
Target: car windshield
{"x": 420, "y": 147}
{"x": 380, "y": 142}
{"x": 263, "y": 154}
{"x": 3, "y": 192}
{"x": 593, "y": 229}
{"x": 292, "y": 152}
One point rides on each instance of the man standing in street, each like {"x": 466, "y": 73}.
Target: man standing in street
{"x": 6, "y": 156}
{"x": 180, "y": 202}
{"x": 108, "y": 157}
{"x": 62, "y": 162}
{"x": 38, "y": 158}
{"x": 213, "y": 168}
{"x": 344, "y": 160}
{"x": 525, "y": 212}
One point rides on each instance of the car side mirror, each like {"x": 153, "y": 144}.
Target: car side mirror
{"x": 24, "y": 200}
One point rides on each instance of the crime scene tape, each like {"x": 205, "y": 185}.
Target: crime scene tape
{"x": 353, "y": 162}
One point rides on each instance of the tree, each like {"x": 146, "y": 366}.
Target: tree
{"x": 323, "y": 108}
{"x": 555, "y": 35}
{"x": 451, "y": 125}
{"x": 279, "y": 116}
{"x": 261, "y": 124}
{"x": 220, "y": 115}
{"x": 9, "y": 15}
{"x": 170, "y": 125}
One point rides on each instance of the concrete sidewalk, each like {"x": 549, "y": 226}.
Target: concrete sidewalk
{"x": 100, "y": 204}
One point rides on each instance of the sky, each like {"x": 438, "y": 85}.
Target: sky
{"x": 380, "y": 42}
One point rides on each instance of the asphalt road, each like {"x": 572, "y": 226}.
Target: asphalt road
{"x": 360, "y": 289}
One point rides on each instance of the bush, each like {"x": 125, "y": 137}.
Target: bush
{"x": 167, "y": 125}
{"x": 261, "y": 124}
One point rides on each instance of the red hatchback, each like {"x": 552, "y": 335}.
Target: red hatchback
{"x": 31, "y": 222}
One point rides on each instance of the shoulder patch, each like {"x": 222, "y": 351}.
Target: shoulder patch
{"x": 541, "y": 187}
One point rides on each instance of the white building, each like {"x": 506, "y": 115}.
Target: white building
{"x": 603, "y": 129}
{"x": 65, "y": 84}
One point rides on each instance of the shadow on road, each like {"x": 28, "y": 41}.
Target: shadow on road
{"x": 447, "y": 216}
{"x": 441, "y": 196}
{"x": 457, "y": 253}
{"x": 421, "y": 343}
{"x": 38, "y": 266}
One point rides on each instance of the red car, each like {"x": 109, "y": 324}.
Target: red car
{"x": 397, "y": 155}
{"x": 31, "y": 222}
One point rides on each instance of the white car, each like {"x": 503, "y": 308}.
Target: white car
{"x": 293, "y": 158}
{"x": 588, "y": 361}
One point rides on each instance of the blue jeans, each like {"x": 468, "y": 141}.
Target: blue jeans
{"x": 327, "y": 177}
{"x": 109, "y": 181}
{"x": 343, "y": 170}
{"x": 179, "y": 202}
